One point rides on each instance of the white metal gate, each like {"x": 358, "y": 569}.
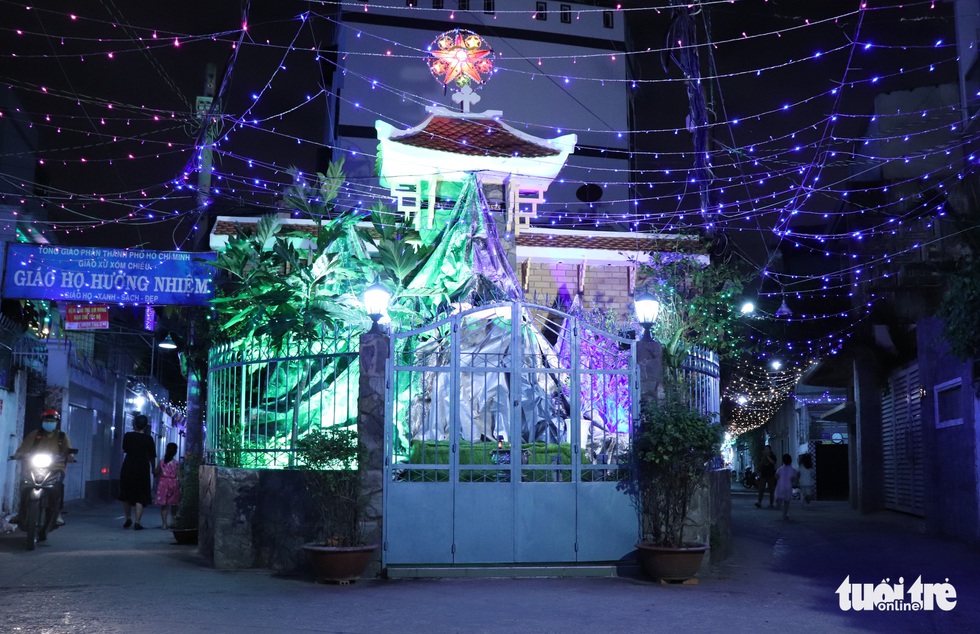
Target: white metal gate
{"x": 504, "y": 426}
{"x": 901, "y": 431}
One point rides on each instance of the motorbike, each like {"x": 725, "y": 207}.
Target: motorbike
{"x": 749, "y": 479}
{"x": 43, "y": 474}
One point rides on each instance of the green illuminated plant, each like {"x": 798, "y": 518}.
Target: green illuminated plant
{"x": 333, "y": 483}
{"x": 698, "y": 305}
{"x": 669, "y": 458}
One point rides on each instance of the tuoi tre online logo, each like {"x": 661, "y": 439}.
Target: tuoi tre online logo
{"x": 887, "y": 597}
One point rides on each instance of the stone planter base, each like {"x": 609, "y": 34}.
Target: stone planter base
{"x": 671, "y": 564}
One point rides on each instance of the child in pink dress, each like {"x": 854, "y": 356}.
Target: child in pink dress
{"x": 784, "y": 484}
{"x": 168, "y": 487}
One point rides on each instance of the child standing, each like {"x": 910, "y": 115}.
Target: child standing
{"x": 784, "y": 484}
{"x": 807, "y": 480}
{"x": 168, "y": 488}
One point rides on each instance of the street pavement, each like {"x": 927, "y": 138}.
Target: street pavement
{"x": 93, "y": 576}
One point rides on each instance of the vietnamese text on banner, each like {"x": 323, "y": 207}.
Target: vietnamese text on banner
{"x": 88, "y": 274}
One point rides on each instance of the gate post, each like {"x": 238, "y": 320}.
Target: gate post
{"x": 650, "y": 363}
{"x": 370, "y": 436}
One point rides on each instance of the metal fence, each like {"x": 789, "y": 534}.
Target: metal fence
{"x": 700, "y": 375}
{"x": 263, "y": 398}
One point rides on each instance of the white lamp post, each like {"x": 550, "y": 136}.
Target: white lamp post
{"x": 647, "y": 309}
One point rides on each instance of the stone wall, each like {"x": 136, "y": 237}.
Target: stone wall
{"x": 255, "y": 518}
{"x": 710, "y": 519}
{"x": 720, "y": 536}
{"x": 370, "y": 437}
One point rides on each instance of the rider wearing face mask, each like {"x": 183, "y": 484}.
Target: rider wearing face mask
{"x": 48, "y": 439}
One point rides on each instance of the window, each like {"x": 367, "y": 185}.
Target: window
{"x": 540, "y": 10}
{"x": 566, "y": 14}
{"x": 948, "y": 399}
{"x": 488, "y": 7}
{"x": 437, "y": 4}
{"x": 607, "y": 19}
{"x": 464, "y": 5}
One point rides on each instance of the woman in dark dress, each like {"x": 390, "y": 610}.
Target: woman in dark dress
{"x": 134, "y": 477}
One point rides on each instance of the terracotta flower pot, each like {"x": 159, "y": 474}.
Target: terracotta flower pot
{"x": 671, "y": 564}
{"x": 339, "y": 564}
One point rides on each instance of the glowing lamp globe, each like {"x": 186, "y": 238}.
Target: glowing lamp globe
{"x": 375, "y": 300}
{"x": 647, "y": 309}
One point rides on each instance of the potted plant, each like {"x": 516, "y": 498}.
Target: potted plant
{"x": 669, "y": 457}
{"x": 186, "y": 521}
{"x": 333, "y": 482}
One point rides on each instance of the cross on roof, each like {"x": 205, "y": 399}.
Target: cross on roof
{"x": 467, "y": 97}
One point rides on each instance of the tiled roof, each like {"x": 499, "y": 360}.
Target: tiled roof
{"x": 483, "y": 137}
{"x": 596, "y": 241}
{"x": 227, "y": 227}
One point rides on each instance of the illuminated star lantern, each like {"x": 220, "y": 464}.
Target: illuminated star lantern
{"x": 460, "y": 56}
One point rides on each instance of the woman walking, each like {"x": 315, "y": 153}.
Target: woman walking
{"x": 134, "y": 477}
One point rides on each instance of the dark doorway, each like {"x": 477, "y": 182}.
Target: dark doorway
{"x": 832, "y": 472}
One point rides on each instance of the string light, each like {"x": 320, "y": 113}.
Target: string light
{"x": 786, "y": 182}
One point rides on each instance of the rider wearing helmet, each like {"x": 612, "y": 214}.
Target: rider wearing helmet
{"x": 48, "y": 439}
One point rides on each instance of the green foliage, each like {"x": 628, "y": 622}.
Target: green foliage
{"x": 319, "y": 198}
{"x": 278, "y": 285}
{"x": 669, "y": 458}
{"x": 285, "y": 291}
{"x": 698, "y": 305}
{"x": 958, "y": 310}
{"x": 401, "y": 255}
{"x": 333, "y": 483}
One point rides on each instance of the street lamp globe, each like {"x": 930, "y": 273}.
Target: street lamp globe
{"x": 647, "y": 309}
{"x": 375, "y": 300}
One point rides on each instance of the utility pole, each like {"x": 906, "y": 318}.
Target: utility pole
{"x": 208, "y": 115}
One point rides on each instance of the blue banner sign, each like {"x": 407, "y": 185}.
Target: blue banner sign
{"x": 125, "y": 276}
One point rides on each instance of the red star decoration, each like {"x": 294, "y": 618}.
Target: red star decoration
{"x": 460, "y": 56}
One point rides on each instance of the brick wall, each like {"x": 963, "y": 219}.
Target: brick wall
{"x": 606, "y": 286}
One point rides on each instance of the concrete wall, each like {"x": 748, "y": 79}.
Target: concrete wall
{"x": 11, "y": 435}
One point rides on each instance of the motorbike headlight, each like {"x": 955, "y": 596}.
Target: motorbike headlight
{"x": 41, "y": 460}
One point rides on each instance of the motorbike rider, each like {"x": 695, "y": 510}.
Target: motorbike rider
{"x": 48, "y": 439}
